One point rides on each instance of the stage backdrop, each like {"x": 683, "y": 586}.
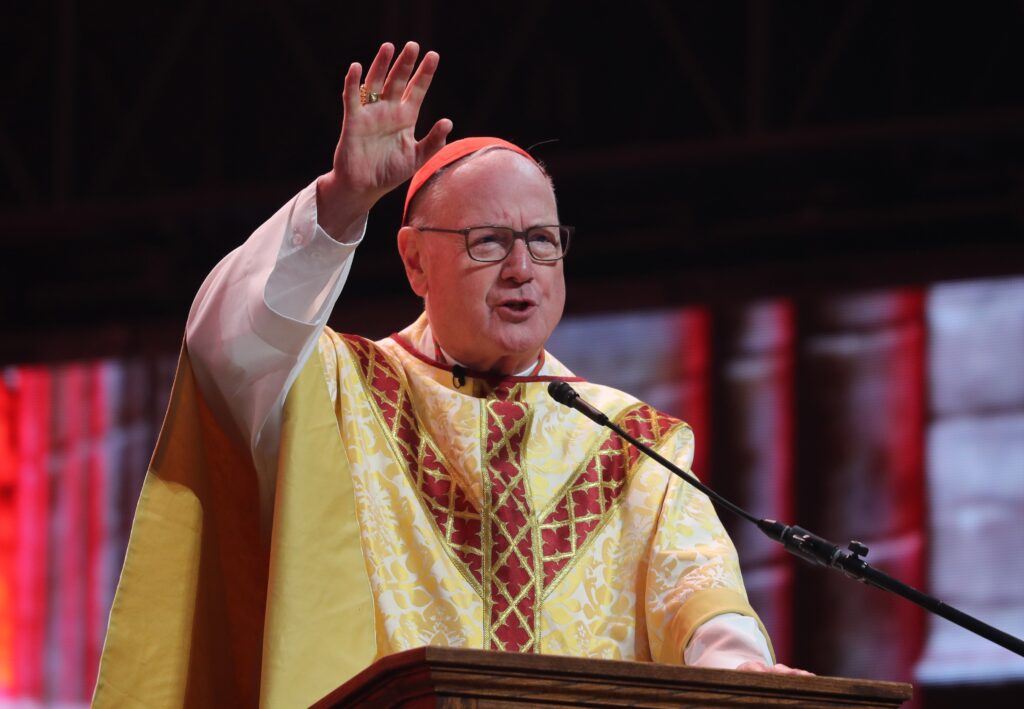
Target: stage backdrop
{"x": 895, "y": 417}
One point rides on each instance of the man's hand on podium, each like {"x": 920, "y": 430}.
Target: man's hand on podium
{"x": 778, "y": 669}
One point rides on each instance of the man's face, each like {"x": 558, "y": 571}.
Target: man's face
{"x": 489, "y": 316}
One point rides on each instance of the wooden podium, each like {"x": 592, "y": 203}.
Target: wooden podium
{"x": 447, "y": 677}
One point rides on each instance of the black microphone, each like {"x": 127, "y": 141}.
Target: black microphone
{"x": 564, "y": 394}
{"x": 459, "y": 376}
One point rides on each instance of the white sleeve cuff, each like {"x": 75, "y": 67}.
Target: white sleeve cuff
{"x": 726, "y": 642}
{"x": 304, "y": 281}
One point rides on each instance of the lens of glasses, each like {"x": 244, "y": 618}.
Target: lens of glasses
{"x": 546, "y": 243}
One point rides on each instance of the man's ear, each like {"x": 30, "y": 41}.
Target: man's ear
{"x": 410, "y": 248}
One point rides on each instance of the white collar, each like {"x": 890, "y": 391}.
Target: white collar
{"x": 426, "y": 346}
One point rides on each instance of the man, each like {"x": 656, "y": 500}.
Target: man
{"x": 317, "y": 500}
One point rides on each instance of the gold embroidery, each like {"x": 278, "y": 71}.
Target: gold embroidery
{"x": 485, "y": 536}
{"x": 375, "y": 365}
{"x": 510, "y": 519}
{"x": 577, "y": 483}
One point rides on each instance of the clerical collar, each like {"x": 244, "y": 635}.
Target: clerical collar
{"x": 441, "y": 356}
{"x": 425, "y": 342}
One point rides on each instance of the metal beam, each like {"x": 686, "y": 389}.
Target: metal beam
{"x": 63, "y": 103}
{"x": 690, "y": 67}
{"x": 902, "y": 130}
{"x": 135, "y": 122}
{"x": 509, "y": 62}
{"x": 325, "y": 101}
{"x": 837, "y": 42}
{"x": 758, "y": 18}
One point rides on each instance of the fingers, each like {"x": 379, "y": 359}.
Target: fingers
{"x": 420, "y": 82}
{"x": 350, "y": 91}
{"x": 776, "y": 669}
{"x": 394, "y": 84}
{"x": 781, "y": 669}
{"x": 398, "y": 77}
{"x": 379, "y": 68}
{"x": 753, "y": 667}
{"x": 432, "y": 141}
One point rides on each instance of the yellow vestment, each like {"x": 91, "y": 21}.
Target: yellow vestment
{"x": 408, "y": 511}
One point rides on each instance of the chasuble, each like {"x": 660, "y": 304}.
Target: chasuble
{"x": 409, "y": 510}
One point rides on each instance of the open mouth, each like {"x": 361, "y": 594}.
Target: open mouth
{"x": 517, "y": 309}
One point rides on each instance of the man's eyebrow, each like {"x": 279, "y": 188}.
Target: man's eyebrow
{"x": 505, "y": 226}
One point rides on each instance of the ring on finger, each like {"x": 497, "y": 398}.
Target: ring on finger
{"x": 366, "y": 95}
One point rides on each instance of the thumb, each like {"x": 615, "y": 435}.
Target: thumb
{"x": 432, "y": 141}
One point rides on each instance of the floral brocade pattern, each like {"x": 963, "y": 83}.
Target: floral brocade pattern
{"x": 497, "y": 518}
{"x": 458, "y": 523}
{"x": 512, "y": 555}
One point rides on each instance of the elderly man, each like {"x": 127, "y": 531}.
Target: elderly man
{"x": 318, "y": 501}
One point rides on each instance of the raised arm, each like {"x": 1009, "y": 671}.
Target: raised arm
{"x": 258, "y": 314}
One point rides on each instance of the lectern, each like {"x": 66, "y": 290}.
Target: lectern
{"x": 448, "y": 677}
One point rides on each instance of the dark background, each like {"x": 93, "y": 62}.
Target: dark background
{"x": 708, "y": 153}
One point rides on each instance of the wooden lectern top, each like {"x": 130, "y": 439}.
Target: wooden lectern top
{"x": 451, "y": 677}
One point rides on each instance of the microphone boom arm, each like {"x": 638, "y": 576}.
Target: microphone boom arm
{"x": 800, "y": 542}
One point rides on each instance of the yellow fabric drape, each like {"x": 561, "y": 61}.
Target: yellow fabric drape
{"x": 201, "y": 605}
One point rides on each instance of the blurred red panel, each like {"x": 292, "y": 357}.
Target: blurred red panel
{"x": 35, "y": 392}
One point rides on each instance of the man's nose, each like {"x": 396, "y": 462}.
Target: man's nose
{"x": 518, "y": 265}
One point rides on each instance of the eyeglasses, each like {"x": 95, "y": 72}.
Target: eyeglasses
{"x": 493, "y": 243}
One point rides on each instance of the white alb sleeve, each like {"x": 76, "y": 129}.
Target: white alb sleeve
{"x": 257, "y": 317}
{"x": 726, "y": 642}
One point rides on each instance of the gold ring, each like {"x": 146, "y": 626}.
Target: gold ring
{"x": 367, "y": 96}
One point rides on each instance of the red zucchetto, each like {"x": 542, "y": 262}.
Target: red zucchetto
{"x": 449, "y": 154}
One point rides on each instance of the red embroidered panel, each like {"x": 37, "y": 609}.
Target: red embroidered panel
{"x": 593, "y": 493}
{"x": 512, "y": 578}
{"x": 457, "y": 520}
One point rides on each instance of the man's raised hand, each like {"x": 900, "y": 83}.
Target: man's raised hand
{"x": 378, "y": 149}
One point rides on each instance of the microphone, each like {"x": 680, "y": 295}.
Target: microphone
{"x": 799, "y": 541}
{"x": 459, "y": 375}
{"x": 564, "y": 394}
